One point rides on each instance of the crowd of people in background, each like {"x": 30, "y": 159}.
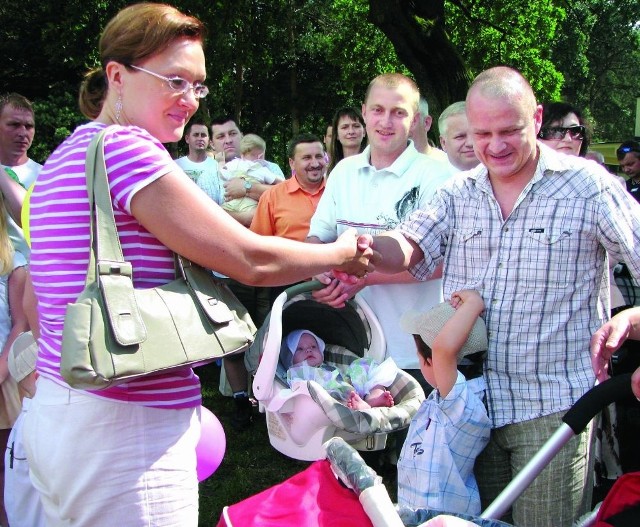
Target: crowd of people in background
{"x": 527, "y": 260}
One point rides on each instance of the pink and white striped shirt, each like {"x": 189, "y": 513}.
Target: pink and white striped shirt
{"x": 59, "y": 227}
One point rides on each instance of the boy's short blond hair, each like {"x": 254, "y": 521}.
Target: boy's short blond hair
{"x": 251, "y": 141}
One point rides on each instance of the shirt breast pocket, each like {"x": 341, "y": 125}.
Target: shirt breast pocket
{"x": 546, "y": 238}
{"x": 550, "y": 257}
{"x": 467, "y": 256}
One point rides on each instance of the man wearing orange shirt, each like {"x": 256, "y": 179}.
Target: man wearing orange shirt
{"x": 285, "y": 209}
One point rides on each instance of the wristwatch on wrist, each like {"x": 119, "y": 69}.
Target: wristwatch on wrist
{"x": 247, "y": 186}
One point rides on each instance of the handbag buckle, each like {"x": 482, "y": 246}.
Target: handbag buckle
{"x": 112, "y": 267}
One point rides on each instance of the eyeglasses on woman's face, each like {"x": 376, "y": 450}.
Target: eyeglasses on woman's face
{"x": 178, "y": 84}
{"x": 560, "y": 132}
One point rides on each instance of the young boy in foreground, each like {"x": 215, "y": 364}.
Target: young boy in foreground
{"x": 451, "y": 428}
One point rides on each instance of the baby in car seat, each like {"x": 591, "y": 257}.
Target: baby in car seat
{"x": 361, "y": 386}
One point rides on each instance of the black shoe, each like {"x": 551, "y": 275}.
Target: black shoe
{"x": 243, "y": 414}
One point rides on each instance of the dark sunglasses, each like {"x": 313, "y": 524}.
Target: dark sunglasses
{"x": 559, "y": 132}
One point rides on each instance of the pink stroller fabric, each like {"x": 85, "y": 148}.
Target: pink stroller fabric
{"x": 311, "y": 498}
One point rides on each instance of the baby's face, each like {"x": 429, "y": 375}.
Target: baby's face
{"x": 308, "y": 350}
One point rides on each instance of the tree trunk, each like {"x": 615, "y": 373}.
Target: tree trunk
{"x": 416, "y": 30}
{"x": 293, "y": 73}
{"x": 239, "y": 91}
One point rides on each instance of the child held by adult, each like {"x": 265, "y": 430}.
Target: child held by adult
{"x": 253, "y": 168}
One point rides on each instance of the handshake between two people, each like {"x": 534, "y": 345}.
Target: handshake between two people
{"x": 363, "y": 260}
{"x": 387, "y": 253}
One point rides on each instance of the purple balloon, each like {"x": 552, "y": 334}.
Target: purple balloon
{"x": 211, "y": 445}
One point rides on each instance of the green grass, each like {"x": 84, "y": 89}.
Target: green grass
{"x": 250, "y": 463}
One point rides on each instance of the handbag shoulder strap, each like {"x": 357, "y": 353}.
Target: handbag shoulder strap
{"x": 104, "y": 234}
{"x": 106, "y": 262}
{"x": 108, "y": 267}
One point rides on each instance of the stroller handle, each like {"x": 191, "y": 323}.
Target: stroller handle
{"x": 591, "y": 403}
{"x": 574, "y": 422}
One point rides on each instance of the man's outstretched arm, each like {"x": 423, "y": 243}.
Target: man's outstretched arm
{"x": 397, "y": 252}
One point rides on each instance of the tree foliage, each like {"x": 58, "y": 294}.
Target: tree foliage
{"x": 290, "y": 63}
{"x": 445, "y": 44}
{"x": 508, "y": 32}
{"x": 418, "y": 32}
{"x": 283, "y": 66}
{"x": 598, "y": 49}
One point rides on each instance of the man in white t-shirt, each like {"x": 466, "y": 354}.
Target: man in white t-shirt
{"x": 17, "y": 128}
{"x": 374, "y": 191}
{"x": 200, "y": 167}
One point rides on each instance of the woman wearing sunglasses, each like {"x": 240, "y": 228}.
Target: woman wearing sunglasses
{"x": 563, "y": 129}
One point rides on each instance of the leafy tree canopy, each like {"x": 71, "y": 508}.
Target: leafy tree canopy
{"x": 283, "y": 66}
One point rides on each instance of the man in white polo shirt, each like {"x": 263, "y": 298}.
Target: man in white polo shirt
{"x": 374, "y": 191}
